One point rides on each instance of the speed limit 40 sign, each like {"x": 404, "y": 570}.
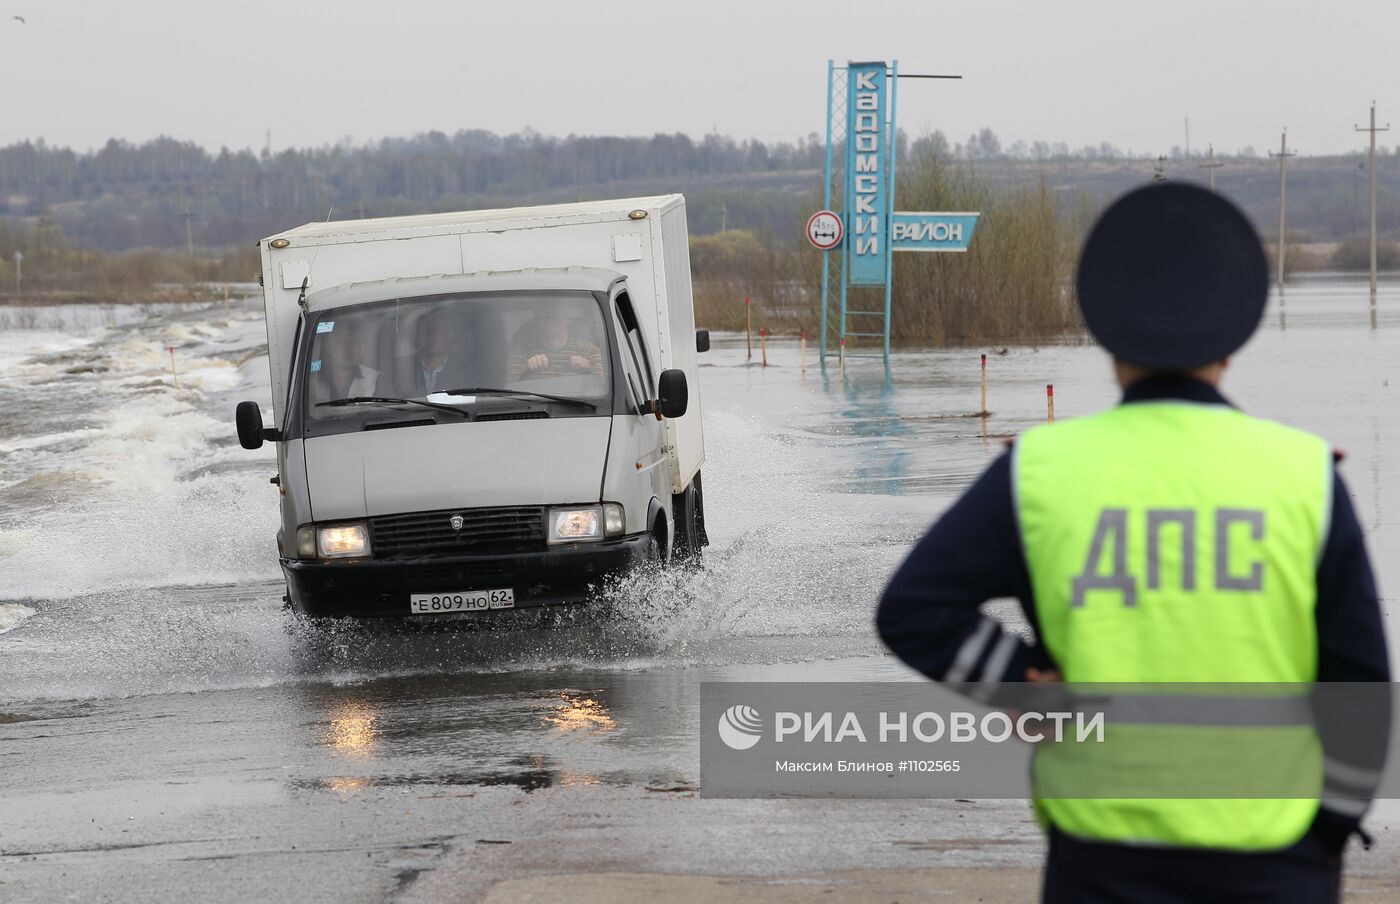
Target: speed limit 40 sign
{"x": 825, "y": 229}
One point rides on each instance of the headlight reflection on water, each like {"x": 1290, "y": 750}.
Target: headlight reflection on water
{"x": 352, "y": 730}
{"x": 580, "y": 712}
{"x": 344, "y": 784}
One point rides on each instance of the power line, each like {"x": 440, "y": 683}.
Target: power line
{"x": 1335, "y": 139}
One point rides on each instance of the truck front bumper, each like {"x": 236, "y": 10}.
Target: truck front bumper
{"x": 373, "y": 588}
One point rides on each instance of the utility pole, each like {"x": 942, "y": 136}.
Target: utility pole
{"x": 1373, "y": 130}
{"x": 1188, "y": 138}
{"x": 1212, "y": 166}
{"x": 19, "y": 259}
{"x": 189, "y": 234}
{"x": 1282, "y": 155}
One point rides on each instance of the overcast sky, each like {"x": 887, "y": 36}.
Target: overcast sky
{"x": 319, "y": 71}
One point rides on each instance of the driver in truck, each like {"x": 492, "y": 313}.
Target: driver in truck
{"x": 545, "y": 348}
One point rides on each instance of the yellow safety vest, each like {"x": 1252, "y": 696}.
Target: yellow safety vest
{"x": 1177, "y": 542}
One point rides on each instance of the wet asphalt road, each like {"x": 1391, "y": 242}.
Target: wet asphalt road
{"x": 353, "y": 792}
{"x": 169, "y": 733}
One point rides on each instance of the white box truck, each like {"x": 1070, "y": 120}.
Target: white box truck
{"x": 481, "y": 410}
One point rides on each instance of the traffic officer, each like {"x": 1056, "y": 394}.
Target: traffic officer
{"x": 1269, "y": 580}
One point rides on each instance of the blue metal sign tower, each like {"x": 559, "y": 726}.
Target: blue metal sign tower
{"x": 859, "y": 189}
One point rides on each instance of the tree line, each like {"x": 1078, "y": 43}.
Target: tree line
{"x": 112, "y": 223}
{"x": 126, "y": 195}
{"x": 166, "y": 193}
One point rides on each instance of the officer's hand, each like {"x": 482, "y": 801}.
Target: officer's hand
{"x": 581, "y": 363}
{"x": 1045, "y": 676}
{"x": 536, "y": 362}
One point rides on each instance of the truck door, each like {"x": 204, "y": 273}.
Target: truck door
{"x": 291, "y": 460}
{"x": 639, "y": 435}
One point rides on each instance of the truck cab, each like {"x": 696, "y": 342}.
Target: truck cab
{"x": 484, "y": 439}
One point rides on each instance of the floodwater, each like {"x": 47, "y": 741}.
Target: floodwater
{"x": 168, "y": 731}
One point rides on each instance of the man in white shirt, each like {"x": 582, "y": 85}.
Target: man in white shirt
{"x": 339, "y": 371}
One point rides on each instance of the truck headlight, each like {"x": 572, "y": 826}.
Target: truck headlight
{"x": 613, "y": 522}
{"x": 570, "y": 525}
{"x": 343, "y": 541}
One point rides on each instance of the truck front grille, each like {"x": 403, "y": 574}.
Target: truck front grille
{"x": 483, "y": 530}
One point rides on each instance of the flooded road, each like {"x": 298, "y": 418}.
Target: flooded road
{"x": 168, "y": 731}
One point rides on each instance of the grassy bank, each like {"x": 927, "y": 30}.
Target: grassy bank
{"x": 1015, "y": 281}
{"x": 1014, "y": 284}
{"x": 155, "y": 296}
{"x": 729, "y": 267}
{"x": 52, "y": 271}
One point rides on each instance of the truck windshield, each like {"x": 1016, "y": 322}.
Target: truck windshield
{"x": 543, "y": 355}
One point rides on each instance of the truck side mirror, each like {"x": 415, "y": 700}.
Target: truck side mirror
{"x": 672, "y": 392}
{"x": 251, "y": 433}
{"x": 702, "y": 340}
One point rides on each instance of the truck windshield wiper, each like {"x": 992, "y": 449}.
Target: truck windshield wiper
{"x": 487, "y": 390}
{"x": 390, "y": 400}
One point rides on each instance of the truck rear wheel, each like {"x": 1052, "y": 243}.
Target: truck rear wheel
{"x": 688, "y": 508}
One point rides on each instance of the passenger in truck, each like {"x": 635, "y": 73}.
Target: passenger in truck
{"x": 342, "y": 373}
{"x": 438, "y": 364}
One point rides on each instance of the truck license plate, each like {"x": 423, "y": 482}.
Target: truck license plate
{"x": 466, "y": 601}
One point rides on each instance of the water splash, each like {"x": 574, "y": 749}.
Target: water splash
{"x": 12, "y": 615}
{"x": 135, "y": 535}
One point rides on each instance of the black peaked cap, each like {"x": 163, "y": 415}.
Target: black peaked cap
{"x": 1172, "y": 277}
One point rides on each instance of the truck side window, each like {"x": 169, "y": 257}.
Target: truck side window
{"x": 636, "y": 348}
